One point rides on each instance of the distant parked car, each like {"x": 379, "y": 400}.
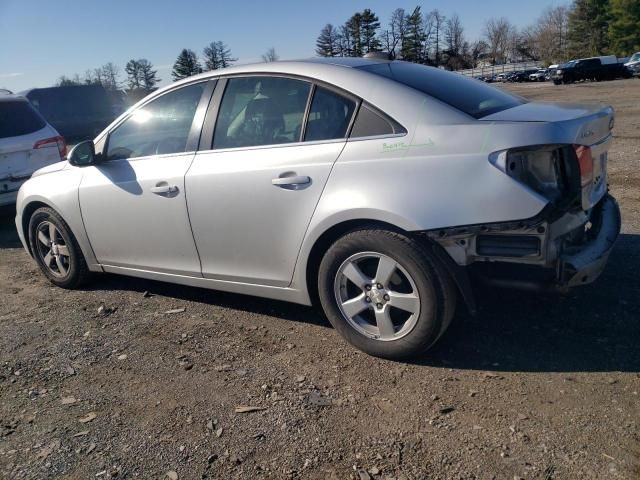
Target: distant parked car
{"x": 77, "y": 112}
{"x": 550, "y": 71}
{"x": 4, "y": 91}
{"x": 594, "y": 68}
{"x": 522, "y": 75}
{"x": 501, "y": 77}
{"x": 27, "y": 143}
{"x": 337, "y": 180}
{"x": 633, "y": 65}
{"x": 539, "y": 76}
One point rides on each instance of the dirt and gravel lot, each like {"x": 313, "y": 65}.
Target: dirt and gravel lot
{"x": 104, "y": 383}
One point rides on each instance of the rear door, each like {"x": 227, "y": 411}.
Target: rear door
{"x": 253, "y": 187}
{"x": 27, "y": 143}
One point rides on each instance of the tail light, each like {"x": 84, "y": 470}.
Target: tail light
{"x": 585, "y": 161}
{"x": 547, "y": 169}
{"x": 58, "y": 141}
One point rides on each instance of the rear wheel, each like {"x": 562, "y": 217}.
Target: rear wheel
{"x": 385, "y": 293}
{"x": 56, "y": 250}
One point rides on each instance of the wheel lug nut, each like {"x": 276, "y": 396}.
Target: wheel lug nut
{"x": 386, "y": 297}
{"x": 367, "y": 299}
{"x": 367, "y": 287}
{"x": 379, "y": 305}
{"x": 379, "y": 286}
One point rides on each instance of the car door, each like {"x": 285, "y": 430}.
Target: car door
{"x": 133, "y": 202}
{"x": 254, "y": 184}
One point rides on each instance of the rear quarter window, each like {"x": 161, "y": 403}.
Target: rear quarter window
{"x": 472, "y": 97}
{"x": 19, "y": 118}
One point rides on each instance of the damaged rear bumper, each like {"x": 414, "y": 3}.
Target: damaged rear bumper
{"x": 547, "y": 253}
{"x": 582, "y": 264}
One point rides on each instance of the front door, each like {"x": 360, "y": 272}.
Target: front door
{"x": 252, "y": 195}
{"x": 133, "y": 203}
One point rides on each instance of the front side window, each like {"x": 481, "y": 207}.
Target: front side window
{"x": 329, "y": 116}
{"x": 259, "y": 111}
{"x": 160, "y": 127}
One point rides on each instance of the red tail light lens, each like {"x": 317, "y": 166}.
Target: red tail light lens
{"x": 585, "y": 160}
{"x": 58, "y": 141}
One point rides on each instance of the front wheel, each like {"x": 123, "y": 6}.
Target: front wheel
{"x": 385, "y": 293}
{"x": 56, "y": 250}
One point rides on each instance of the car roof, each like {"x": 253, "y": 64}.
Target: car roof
{"x": 11, "y": 97}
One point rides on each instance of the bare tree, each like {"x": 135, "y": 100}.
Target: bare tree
{"x": 110, "y": 74}
{"x": 393, "y": 37}
{"x": 499, "y": 35}
{"x": 270, "y": 55}
{"x": 436, "y": 21}
{"x": 551, "y": 34}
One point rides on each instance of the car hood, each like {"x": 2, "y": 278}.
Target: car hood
{"x": 54, "y": 167}
{"x": 545, "y": 112}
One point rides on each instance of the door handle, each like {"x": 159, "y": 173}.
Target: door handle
{"x": 163, "y": 189}
{"x": 291, "y": 181}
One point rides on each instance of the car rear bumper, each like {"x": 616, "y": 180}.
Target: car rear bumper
{"x": 582, "y": 264}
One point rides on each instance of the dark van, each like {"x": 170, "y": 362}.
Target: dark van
{"x": 78, "y": 112}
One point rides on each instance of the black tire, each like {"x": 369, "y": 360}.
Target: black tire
{"x": 435, "y": 288}
{"x": 77, "y": 273}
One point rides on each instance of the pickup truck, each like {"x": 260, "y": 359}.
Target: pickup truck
{"x": 595, "y": 68}
{"x": 633, "y": 65}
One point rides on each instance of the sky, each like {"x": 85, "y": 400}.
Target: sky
{"x": 42, "y": 40}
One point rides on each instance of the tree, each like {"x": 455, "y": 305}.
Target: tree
{"x": 132, "y": 69}
{"x": 270, "y": 55}
{"x": 456, "y": 46}
{"x": 498, "y": 32}
{"x": 550, "y": 35}
{"x": 110, "y": 74}
{"x": 393, "y": 38}
{"x": 65, "y": 81}
{"x": 624, "y": 29}
{"x": 148, "y": 76}
{"x": 438, "y": 21}
{"x": 413, "y": 44}
{"x": 589, "y": 28}
{"x": 217, "y": 55}
{"x": 327, "y": 44}
{"x": 186, "y": 65}
{"x": 369, "y": 26}
{"x": 354, "y": 31}
{"x": 344, "y": 41}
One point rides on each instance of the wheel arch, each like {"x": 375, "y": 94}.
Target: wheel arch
{"x": 458, "y": 274}
{"x": 26, "y": 214}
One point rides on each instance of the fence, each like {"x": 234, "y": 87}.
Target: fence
{"x": 492, "y": 70}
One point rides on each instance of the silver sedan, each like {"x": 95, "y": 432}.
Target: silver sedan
{"x": 382, "y": 190}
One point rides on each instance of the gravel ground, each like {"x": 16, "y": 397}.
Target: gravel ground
{"x": 133, "y": 378}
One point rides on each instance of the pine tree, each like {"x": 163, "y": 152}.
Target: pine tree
{"x": 132, "y": 69}
{"x": 327, "y": 44}
{"x": 412, "y": 45}
{"x": 589, "y": 28}
{"x": 354, "y": 29}
{"x": 187, "y": 64}
{"x": 624, "y": 30}
{"x": 148, "y": 76}
{"x": 369, "y": 26}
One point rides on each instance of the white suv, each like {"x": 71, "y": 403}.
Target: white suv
{"x": 27, "y": 143}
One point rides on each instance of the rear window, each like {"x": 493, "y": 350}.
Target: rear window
{"x": 470, "y": 96}
{"x": 19, "y": 118}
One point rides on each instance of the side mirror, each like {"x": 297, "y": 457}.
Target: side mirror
{"x": 83, "y": 154}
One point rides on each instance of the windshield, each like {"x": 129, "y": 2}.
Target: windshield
{"x": 635, "y": 57}
{"x": 470, "y": 96}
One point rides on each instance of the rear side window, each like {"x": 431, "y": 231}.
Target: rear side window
{"x": 472, "y": 97}
{"x": 19, "y": 118}
{"x": 329, "y": 116}
{"x": 258, "y": 111}
{"x": 370, "y": 123}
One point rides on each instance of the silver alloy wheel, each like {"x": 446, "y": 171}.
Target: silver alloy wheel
{"x": 377, "y": 296}
{"x": 53, "y": 249}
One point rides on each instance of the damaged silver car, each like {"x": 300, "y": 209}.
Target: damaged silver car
{"x": 382, "y": 190}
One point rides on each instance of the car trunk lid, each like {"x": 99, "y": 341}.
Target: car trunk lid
{"x": 581, "y": 125}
